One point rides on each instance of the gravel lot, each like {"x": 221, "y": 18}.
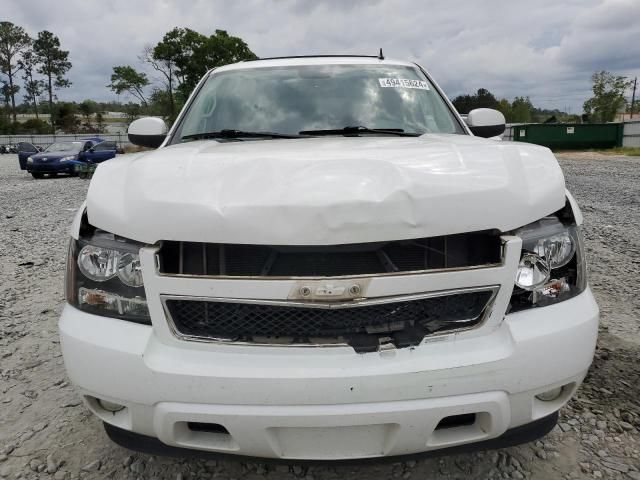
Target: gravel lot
{"x": 46, "y": 433}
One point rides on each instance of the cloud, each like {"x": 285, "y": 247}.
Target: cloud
{"x": 545, "y": 49}
{"x": 605, "y": 37}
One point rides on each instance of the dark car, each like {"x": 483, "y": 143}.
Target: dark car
{"x": 101, "y": 152}
{"x": 25, "y": 150}
{"x": 62, "y": 157}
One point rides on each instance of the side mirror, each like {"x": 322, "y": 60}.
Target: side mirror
{"x": 147, "y": 132}
{"x": 92, "y": 150}
{"x": 486, "y": 122}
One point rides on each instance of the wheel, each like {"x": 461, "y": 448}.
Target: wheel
{"x": 37, "y": 175}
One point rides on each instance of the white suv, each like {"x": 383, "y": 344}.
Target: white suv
{"x": 323, "y": 261}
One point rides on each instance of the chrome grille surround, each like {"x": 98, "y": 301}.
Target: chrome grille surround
{"x": 400, "y": 331}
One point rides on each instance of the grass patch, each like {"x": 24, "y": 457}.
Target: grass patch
{"x": 135, "y": 149}
{"x": 631, "y": 151}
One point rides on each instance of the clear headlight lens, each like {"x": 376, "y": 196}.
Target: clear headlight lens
{"x": 552, "y": 265}
{"x": 533, "y": 271}
{"x": 557, "y": 249}
{"x": 130, "y": 270}
{"x": 104, "y": 277}
{"x": 98, "y": 263}
{"x": 101, "y": 264}
{"x": 30, "y": 160}
{"x": 66, "y": 159}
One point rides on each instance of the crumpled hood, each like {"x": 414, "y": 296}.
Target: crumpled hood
{"x": 325, "y": 191}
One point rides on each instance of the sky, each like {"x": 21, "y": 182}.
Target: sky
{"x": 544, "y": 49}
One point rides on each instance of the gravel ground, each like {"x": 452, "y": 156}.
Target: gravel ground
{"x": 46, "y": 433}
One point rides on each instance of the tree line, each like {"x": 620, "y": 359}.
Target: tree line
{"x": 159, "y": 82}
{"x": 520, "y": 110}
{"x": 609, "y": 99}
{"x": 177, "y": 63}
{"x": 39, "y": 63}
{"x": 165, "y": 74}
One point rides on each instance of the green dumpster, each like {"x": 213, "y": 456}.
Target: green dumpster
{"x": 570, "y": 135}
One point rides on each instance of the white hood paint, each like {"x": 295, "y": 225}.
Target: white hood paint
{"x": 324, "y": 191}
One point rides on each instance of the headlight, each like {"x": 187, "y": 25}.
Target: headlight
{"x": 66, "y": 159}
{"x": 30, "y": 160}
{"x": 104, "y": 277}
{"x": 533, "y": 271}
{"x": 552, "y": 265}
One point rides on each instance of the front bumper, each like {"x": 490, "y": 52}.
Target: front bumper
{"x": 53, "y": 167}
{"x": 331, "y": 403}
{"x": 513, "y": 436}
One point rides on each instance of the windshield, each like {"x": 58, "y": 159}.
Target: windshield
{"x": 66, "y": 147}
{"x": 298, "y": 99}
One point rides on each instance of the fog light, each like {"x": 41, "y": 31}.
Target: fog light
{"x": 550, "y": 395}
{"x": 110, "y": 406}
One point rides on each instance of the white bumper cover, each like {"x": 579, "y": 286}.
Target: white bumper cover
{"x": 331, "y": 403}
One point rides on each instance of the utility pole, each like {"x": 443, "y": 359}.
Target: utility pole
{"x": 633, "y": 96}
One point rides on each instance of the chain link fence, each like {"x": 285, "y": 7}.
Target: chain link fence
{"x": 43, "y": 141}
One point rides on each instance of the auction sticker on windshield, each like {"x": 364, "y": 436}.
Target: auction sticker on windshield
{"x": 403, "y": 83}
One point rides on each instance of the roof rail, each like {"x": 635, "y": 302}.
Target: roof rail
{"x": 316, "y": 56}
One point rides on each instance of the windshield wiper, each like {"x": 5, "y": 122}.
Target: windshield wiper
{"x": 229, "y": 133}
{"x": 355, "y": 130}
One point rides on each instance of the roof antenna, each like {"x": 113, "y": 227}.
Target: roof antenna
{"x": 381, "y": 56}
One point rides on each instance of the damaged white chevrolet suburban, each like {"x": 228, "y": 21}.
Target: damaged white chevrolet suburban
{"x": 323, "y": 261}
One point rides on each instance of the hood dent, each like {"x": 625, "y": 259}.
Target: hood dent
{"x": 329, "y": 190}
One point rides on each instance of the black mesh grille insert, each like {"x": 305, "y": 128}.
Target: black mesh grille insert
{"x": 403, "y": 323}
{"x": 451, "y": 251}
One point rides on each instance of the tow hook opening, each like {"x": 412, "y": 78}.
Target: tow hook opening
{"x": 204, "y": 436}
{"x": 461, "y": 428}
{"x": 453, "y": 421}
{"x": 207, "y": 428}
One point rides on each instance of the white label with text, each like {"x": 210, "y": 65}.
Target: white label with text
{"x": 403, "y": 83}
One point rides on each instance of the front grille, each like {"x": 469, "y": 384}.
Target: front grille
{"x": 365, "y": 327}
{"x": 450, "y": 251}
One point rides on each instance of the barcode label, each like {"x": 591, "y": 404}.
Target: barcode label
{"x": 403, "y": 83}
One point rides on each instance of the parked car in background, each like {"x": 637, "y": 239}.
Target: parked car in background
{"x": 8, "y": 148}
{"x": 101, "y": 152}
{"x": 62, "y": 157}
{"x": 25, "y": 150}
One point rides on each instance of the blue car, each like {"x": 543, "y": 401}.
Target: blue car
{"x": 100, "y": 152}
{"x": 61, "y": 157}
